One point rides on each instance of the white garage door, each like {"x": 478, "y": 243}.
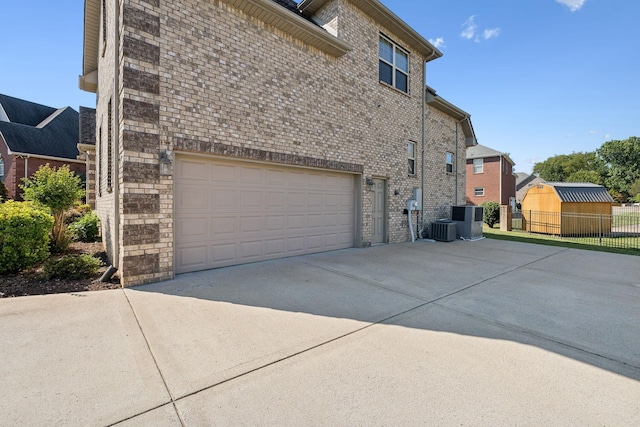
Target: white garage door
{"x": 233, "y": 212}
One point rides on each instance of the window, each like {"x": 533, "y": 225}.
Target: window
{"x": 109, "y": 148}
{"x": 99, "y": 162}
{"x": 1, "y": 169}
{"x": 449, "y": 162}
{"x": 394, "y": 65}
{"x": 478, "y": 165}
{"x": 411, "y": 154}
{"x": 478, "y": 191}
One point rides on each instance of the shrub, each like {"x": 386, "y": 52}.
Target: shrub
{"x": 491, "y": 213}
{"x": 86, "y": 229}
{"x": 71, "y": 267}
{"x": 57, "y": 189}
{"x": 4, "y": 193}
{"x": 24, "y": 235}
{"x": 77, "y": 211}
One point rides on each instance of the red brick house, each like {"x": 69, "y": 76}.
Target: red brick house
{"x": 32, "y": 135}
{"x": 490, "y": 176}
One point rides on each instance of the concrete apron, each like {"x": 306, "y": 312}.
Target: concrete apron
{"x": 478, "y": 333}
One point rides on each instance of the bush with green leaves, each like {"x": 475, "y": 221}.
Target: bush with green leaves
{"x": 71, "y": 267}
{"x": 491, "y": 213}
{"x": 24, "y": 235}
{"x": 57, "y": 189}
{"x": 4, "y": 193}
{"x": 85, "y": 229}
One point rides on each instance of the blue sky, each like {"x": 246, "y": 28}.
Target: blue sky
{"x": 539, "y": 77}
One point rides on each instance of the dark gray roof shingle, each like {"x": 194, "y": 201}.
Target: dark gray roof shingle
{"x": 57, "y": 135}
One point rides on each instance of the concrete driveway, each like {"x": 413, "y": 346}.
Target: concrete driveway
{"x": 461, "y": 333}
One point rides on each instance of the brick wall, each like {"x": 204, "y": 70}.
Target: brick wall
{"x": 490, "y": 181}
{"x": 203, "y": 77}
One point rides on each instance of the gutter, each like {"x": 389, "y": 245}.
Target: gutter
{"x": 116, "y": 137}
{"x": 39, "y": 156}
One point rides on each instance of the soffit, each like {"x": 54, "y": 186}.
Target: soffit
{"x": 387, "y": 19}
{"x": 278, "y": 16}
{"x": 91, "y": 36}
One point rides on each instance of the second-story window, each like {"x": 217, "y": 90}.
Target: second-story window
{"x": 411, "y": 154}
{"x": 394, "y": 65}
{"x": 449, "y": 162}
{"x": 478, "y": 165}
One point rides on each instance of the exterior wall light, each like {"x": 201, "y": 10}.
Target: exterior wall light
{"x": 165, "y": 162}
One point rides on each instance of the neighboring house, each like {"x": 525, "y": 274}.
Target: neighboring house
{"x": 548, "y": 208}
{"x": 490, "y": 176}
{"x": 246, "y": 130}
{"x": 32, "y": 135}
{"x": 524, "y": 181}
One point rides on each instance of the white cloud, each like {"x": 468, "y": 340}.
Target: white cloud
{"x": 489, "y": 34}
{"x": 470, "y": 31}
{"x": 594, "y": 132}
{"x": 470, "y": 28}
{"x": 437, "y": 43}
{"x": 573, "y": 5}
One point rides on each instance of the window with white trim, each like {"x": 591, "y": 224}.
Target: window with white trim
{"x": 449, "y": 162}
{"x": 478, "y": 191}
{"x": 411, "y": 155}
{"x": 394, "y": 64}
{"x": 478, "y": 165}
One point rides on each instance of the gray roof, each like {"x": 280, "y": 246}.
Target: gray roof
{"x": 482, "y": 152}
{"x": 581, "y": 192}
{"x": 37, "y": 129}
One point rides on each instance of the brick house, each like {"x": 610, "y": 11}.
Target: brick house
{"x": 490, "y": 176}
{"x": 235, "y": 131}
{"x": 32, "y": 135}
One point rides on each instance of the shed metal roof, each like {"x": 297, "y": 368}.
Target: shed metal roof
{"x": 581, "y": 192}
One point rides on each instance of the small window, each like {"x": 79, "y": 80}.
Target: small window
{"x": 411, "y": 155}
{"x": 478, "y": 191}
{"x": 393, "y": 65}
{"x": 478, "y": 166}
{"x": 2, "y": 170}
{"x": 449, "y": 162}
{"x": 99, "y": 162}
{"x": 110, "y": 148}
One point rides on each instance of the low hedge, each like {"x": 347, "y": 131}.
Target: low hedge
{"x": 24, "y": 235}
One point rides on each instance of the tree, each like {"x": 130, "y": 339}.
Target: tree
{"x": 586, "y": 176}
{"x": 57, "y": 189}
{"x": 623, "y": 161}
{"x": 571, "y": 167}
{"x": 635, "y": 191}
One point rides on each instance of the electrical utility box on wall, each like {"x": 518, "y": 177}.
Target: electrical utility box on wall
{"x": 417, "y": 196}
{"x": 468, "y": 221}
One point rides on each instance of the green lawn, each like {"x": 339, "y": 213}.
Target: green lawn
{"x": 542, "y": 239}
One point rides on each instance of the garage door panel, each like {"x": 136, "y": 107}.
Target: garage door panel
{"x": 224, "y": 173}
{"x": 224, "y": 226}
{"x": 248, "y": 212}
{"x": 194, "y": 228}
{"x": 223, "y": 253}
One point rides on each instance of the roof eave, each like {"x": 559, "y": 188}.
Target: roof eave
{"x": 378, "y": 12}
{"x": 88, "y": 80}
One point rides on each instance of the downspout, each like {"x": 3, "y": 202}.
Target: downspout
{"x": 500, "y": 195}
{"x": 424, "y": 133}
{"x": 457, "y": 160}
{"x": 116, "y": 147}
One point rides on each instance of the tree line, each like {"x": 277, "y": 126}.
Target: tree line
{"x": 615, "y": 165}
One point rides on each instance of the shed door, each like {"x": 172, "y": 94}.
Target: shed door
{"x": 233, "y": 212}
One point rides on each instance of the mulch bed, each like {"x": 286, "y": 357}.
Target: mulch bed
{"x": 30, "y": 282}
